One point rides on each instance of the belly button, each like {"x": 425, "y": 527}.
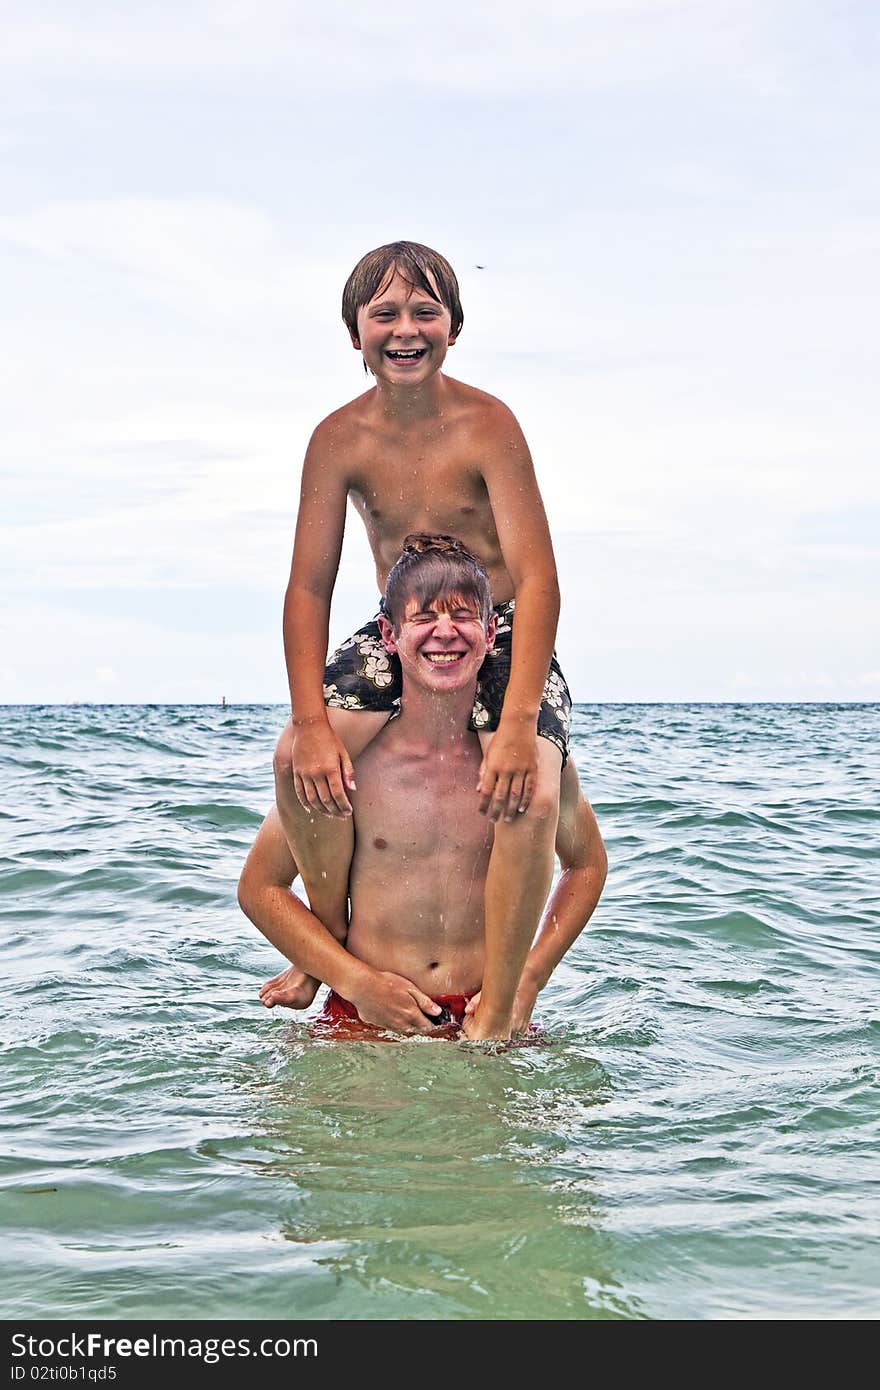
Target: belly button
{"x": 433, "y": 964}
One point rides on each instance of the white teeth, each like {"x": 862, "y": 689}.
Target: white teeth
{"x": 442, "y": 658}
{"x": 412, "y": 352}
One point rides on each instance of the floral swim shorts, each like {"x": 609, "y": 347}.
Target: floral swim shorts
{"x": 362, "y": 675}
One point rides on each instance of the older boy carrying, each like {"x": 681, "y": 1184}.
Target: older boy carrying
{"x": 423, "y": 452}
{"x": 413, "y": 958}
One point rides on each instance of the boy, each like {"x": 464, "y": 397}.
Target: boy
{"x": 420, "y": 451}
{"x": 413, "y": 958}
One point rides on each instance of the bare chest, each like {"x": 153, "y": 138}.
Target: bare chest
{"x": 425, "y": 487}
{"x": 418, "y": 813}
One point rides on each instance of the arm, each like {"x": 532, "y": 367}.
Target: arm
{"x": 322, "y": 769}
{"x": 507, "y": 777}
{"x": 264, "y": 894}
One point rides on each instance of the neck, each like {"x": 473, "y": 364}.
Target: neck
{"x": 433, "y": 721}
{"x": 411, "y": 404}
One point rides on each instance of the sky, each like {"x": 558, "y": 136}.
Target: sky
{"x": 676, "y": 206}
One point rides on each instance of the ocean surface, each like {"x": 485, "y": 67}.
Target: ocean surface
{"x": 697, "y": 1137}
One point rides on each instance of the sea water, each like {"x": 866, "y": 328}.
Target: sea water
{"x": 697, "y": 1137}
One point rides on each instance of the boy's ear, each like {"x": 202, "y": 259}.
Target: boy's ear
{"x": 386, "y": 629}
{"x": 491, "y": 630}
{"x": 355, "y": 342}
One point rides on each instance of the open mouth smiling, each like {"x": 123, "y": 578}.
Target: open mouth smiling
{"x": 443, "y": 658}
{"x": 407, "y": 355}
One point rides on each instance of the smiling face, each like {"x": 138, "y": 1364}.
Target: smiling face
{"x": 441, "y": 643}
{"x": 403, "y": 333}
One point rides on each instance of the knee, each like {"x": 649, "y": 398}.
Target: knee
{"x": 247, "y": 892}
{"x": 544, "y": 805}
{"x": 253, "y": 884}
{"x": 588, "y": 854}
{"x": 539, "y": 822}
{"x": 282, "y": 759}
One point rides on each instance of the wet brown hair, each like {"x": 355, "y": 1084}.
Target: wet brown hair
{"x": 420, "y": 267}
{"x": 431, "y": 567}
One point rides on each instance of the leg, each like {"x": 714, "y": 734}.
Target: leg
{"x": 584, "y": 866}
{"x": 517, "y": 884}
{"x": 322, "y": 846}
{"x": 266, "y": 882}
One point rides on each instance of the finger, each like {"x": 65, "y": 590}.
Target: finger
{"x": 499, "y": 799}
{"x": 337, "y": 792}
{"x": 485, "y": 788}
{"x": 427, "y": 1004}
{"x": 301, "y": 794}
{"x": 471, "y": 1005}
{"x": 413, "y": 1022}
{"x": 348, "y": 774}
{"x": 514, "y": 800}
{"x": 325, "y": 800}
{"x": 310, "y": 790}
{"x": 528, "y": 793}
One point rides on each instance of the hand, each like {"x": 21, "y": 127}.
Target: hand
{"x": 389, "y": 1001}
{"x": 523, "y": 1007}
{"x": 322, "y": 770}
{"x": 508, "y": 772}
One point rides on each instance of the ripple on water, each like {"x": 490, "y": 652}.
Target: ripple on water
{"x": 695, "y": 1137}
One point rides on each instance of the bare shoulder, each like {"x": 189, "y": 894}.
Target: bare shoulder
{"x": 343, "y": 421}
{"x": 331, "y": 439}
{"x": 486, "y": 415}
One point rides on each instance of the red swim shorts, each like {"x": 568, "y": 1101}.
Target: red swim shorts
{"x": 340, "y": 1019}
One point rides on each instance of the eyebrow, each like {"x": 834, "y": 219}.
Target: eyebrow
{"x": 425, "y": 302}
{"x": 472, "y": 611}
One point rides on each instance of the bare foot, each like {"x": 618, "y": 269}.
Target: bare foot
{"x": 479, "y": 1029}
{"x": 292, "y": 988}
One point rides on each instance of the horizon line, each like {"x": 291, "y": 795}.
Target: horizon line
{"x": 281, "y": 704}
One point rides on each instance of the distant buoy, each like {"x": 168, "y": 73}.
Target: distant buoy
{"x": 223, "y": 702}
